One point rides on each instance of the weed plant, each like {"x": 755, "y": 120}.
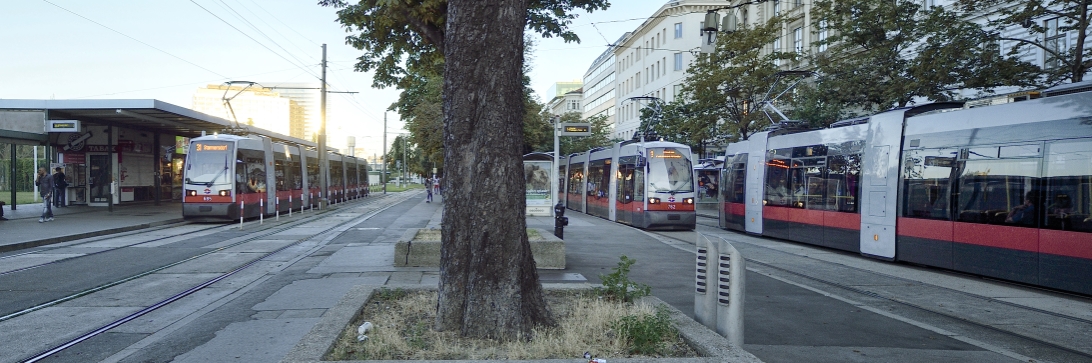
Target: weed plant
{"x": 617, "y": 285}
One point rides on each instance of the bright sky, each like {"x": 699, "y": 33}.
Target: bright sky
{"x": 166, "y": 49}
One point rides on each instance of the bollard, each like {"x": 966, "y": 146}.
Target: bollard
{"x": 278, "y": 208}
{"x": 290, "y": 204}
{"x": 730, "y": 268}
{"x": 705, "y": 296}
{"x": 241, "y": 209}
{"x": 261, "y": 211}
{"x": 310, "y": 201}
{"x": 560, "y": 221}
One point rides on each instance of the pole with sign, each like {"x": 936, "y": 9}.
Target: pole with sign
{"x": 568, "y": 129}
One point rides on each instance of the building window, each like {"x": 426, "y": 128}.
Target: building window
{"x": 678, "y": 30}
{"x": 1055, "y": 41}
{"x": 777, "y": 7}
{"x": 822, "y": 35}
{"x": 678, "y": 61}
{"x": 777, "y": 48}
{"x": 798, "y": 40}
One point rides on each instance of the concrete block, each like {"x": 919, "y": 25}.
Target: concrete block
{"x": 421, "y": 248}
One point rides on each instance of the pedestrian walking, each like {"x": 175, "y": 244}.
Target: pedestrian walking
{"x": 45, "y": 190}
{"x": 60, "y": 183}
{"x": 429, "y": 190}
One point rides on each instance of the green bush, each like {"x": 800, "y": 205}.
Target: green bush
{"x": 646, "y": 334}
{"x": 617, "y": 286}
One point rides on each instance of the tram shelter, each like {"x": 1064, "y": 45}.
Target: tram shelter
{"x": 112, "y": 151}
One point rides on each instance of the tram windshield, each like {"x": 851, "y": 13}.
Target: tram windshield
{"x": 208, "y": 163}
{"x": 669, "y": 170}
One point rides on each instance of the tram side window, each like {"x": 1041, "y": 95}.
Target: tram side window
{"x": 624, "y": 188}
{"x": 336, "y": 173}
{"x": 313, "y": 173}
{"x": 1000, "y": 191}
{"x": 250, "y": 172}
{"x": 734, "y": 183}
{"x": 1068, "y": 183}
{"x": 843, "y": 182}
{"x": 810, "y": 193}
{"x": 279, "y": 174}
{"x": 576, "y": 178}
{"x": 777, "y": 174}
{"x": 598, "y": 181}
{"x": 639, "y": 185}
{"x": 294, "y": 175}
{"x": 927, "y": 183}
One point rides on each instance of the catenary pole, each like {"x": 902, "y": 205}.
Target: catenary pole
{"x": 323, "y": 167}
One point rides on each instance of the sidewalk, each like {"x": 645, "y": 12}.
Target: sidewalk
{"x": 22, "y": 229}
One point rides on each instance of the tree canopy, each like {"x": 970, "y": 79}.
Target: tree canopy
{"x": 884, "y": 54}
{"x": 728, "y": 85}
{"x": 1048, "y": 24}
{"x": 402, "y": 37}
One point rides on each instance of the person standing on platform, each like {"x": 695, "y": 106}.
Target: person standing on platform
{"x": 429, "y": 190}
{"x": 59, "y": 185}
{"x": 45, "y": 190}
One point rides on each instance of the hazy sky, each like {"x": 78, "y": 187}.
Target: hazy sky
{"x": 165, "y": 49}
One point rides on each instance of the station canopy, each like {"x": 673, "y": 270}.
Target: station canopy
{"x": 141, "y": 114}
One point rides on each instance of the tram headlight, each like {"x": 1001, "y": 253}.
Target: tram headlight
{"x": 191, "y": 192}
{"x": 225, "y": 193}
{"x": 653, "y": 200}
{"x": 688, "y": 200}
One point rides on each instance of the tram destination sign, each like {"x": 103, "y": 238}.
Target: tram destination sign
{"x": 575, "y": 129}
{"x": 62, "y": 126}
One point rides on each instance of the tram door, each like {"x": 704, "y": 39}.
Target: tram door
{"x": 98, "y": 179}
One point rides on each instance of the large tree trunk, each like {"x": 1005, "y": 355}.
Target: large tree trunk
{"x": 489, "y": 287}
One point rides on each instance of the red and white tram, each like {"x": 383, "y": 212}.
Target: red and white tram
{"x": 648, "y": 185}
{"x": 228, "y": 176}
{"x": 1003, "y": 191}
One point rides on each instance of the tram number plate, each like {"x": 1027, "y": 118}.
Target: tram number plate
{"x": 208, "y": 199}
{"x": 671, "y": 206}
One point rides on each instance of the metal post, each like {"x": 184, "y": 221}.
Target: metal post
{"x": 261, "y": 211}
{"x": 157, "y": 166}
{"x": 323, "y": 159}
{"x": 554, "y": 183}
{"x": 278, "y": 207}
{"x": 383, "y": 175}
{"x": 290, "y": 204}
{"x": 241, "y": 209}
{"x": 13, "y": 178}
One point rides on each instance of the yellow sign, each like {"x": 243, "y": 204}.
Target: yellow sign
{"x": 206, "y": 147}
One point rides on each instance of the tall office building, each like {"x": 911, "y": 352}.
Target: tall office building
{"x": 249, "y": 106}
{"x": 306, "y": 118}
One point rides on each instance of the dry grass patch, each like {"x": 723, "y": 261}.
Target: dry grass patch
{"x": 403, "y": 331}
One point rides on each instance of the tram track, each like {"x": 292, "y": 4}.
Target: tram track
{"x": 189, "y": 291}
{"x": 1069, "y": 353}
{"x": 98, "y": 240}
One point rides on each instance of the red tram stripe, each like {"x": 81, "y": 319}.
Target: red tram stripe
{"x": 1066, "y": 243}
{"x": 924, "y": 228}
{"x": 735, "y": 209}
{"x": 843, "y": 220}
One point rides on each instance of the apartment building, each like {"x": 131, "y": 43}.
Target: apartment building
{"x": 652, "y": 59}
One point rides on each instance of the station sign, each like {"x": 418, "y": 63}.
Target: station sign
{"x": 575, "y": 129}
{"x": 62, "y": 126}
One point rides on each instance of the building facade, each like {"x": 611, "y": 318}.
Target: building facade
{"x": 652, "y": 60}
{"x": 599, "y": 95}
{"x": 252, "y": 106}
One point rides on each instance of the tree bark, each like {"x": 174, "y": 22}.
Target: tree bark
{"x": 489, "y": 287}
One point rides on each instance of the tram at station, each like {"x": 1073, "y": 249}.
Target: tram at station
{"x": 648, "y": 184}
{"x": 228, "y": 177}
{"x": 1003, "y": 191}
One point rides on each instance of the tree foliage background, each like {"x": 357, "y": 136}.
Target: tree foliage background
{"x": 1072, "y": 17}
{"x": 883, "y": 54}
{"x": 721, "y": 98}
